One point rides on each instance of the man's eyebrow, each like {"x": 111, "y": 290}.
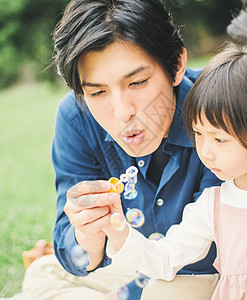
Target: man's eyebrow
{"x": 138, "y": 70}
{"x": 90, "y": 84}
{"x": 132, "y": 73}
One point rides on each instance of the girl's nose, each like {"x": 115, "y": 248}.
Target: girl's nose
{"x": 209, "y": 156}
{"x": 207, "y": 152}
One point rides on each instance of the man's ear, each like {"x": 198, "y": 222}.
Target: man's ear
{"x": 181, "y": 68}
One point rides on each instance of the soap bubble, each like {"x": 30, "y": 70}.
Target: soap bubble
{"x": 124, "y": 178}
{"x": 135, "y": 217}
{"x": 142, "y": 280}
{"x": 117, "y": 221}
{"x": 123, "y": 293}
{"x": 131, "y": 172}
{"x": 79, "y": 256}
{"x": 130, "y": 177}
{"x": 129, "y": 191}
{"x": 156, "y": 236}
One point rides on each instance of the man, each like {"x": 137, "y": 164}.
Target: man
{"x": 126, "y": 64}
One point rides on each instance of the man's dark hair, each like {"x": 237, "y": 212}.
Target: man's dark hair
{"x": 92, "y": 25}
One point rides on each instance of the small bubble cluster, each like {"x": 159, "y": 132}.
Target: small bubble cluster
{"x": 79, "y": 256}
{"x": 135, "y": 217}
{"x": 117, "y": 221}
{"x": 123, "y": 293}
{"x": 130, "y": 177}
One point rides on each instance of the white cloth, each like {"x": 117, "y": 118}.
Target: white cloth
{"x": 185, "y": 243}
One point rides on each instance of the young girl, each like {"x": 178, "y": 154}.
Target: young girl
{"x": 216, "y": 118}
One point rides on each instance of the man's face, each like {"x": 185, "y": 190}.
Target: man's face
{"x": 129, "y": 95}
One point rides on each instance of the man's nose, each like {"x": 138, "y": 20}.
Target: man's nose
{"x": 124, "y": 108}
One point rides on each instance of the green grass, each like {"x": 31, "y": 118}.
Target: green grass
{"x": 27, "y": 192}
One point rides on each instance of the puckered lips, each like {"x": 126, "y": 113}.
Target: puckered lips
{"x": 133, "y": 137}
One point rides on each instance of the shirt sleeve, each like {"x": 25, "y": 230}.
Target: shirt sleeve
{"x": 74, "y": 161}
{"x": 183, "y": 244}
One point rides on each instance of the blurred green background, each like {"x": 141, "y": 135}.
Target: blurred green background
{"x": 29, "y": 95}
{"x": 26, "y": 26}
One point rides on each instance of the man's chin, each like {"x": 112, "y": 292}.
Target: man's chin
{"x": 138, "y": 151}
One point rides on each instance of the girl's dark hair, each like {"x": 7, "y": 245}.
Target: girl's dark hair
{"x": 92, "y": 25}
{"x": 220, "y": 93}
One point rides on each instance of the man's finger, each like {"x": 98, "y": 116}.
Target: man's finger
{"x": 89, "y": 187}
{"x": 91, "y": 200}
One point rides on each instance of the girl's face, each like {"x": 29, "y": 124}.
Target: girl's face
{"x": 221, "y": 152}
{"x": 129, "y": 95}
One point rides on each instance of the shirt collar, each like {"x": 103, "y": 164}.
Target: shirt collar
{"x": 178, "y": 134}
{"x": 108, "y": 138}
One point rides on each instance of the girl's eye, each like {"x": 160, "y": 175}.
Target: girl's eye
{"x": 196, "y": 133}
{"x": 97, "y": 93}
{"x": 220, "y": 140}
{"x": 138, "y": 83}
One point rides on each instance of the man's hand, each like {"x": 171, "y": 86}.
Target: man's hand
{"x": 89, "y": 206}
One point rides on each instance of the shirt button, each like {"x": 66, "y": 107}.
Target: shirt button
{"x": 160, "y": 202}
{"x": 141, "y": 163}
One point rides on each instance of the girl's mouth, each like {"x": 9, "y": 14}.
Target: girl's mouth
{"x": 214, "y": 170}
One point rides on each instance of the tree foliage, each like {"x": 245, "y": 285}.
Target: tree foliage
{"x": 201, "y": 20}
{"x": 25, "y": 40}
{"x": 26, "y": 26}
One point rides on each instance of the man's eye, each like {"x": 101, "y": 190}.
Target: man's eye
{"x": 138, "y": 83}
{"x": 97, "y": 93}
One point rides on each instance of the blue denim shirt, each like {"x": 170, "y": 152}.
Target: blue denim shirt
{"x": 82, "y": 150}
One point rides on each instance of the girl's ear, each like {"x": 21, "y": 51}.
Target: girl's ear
{"x": 181, "y": 68}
